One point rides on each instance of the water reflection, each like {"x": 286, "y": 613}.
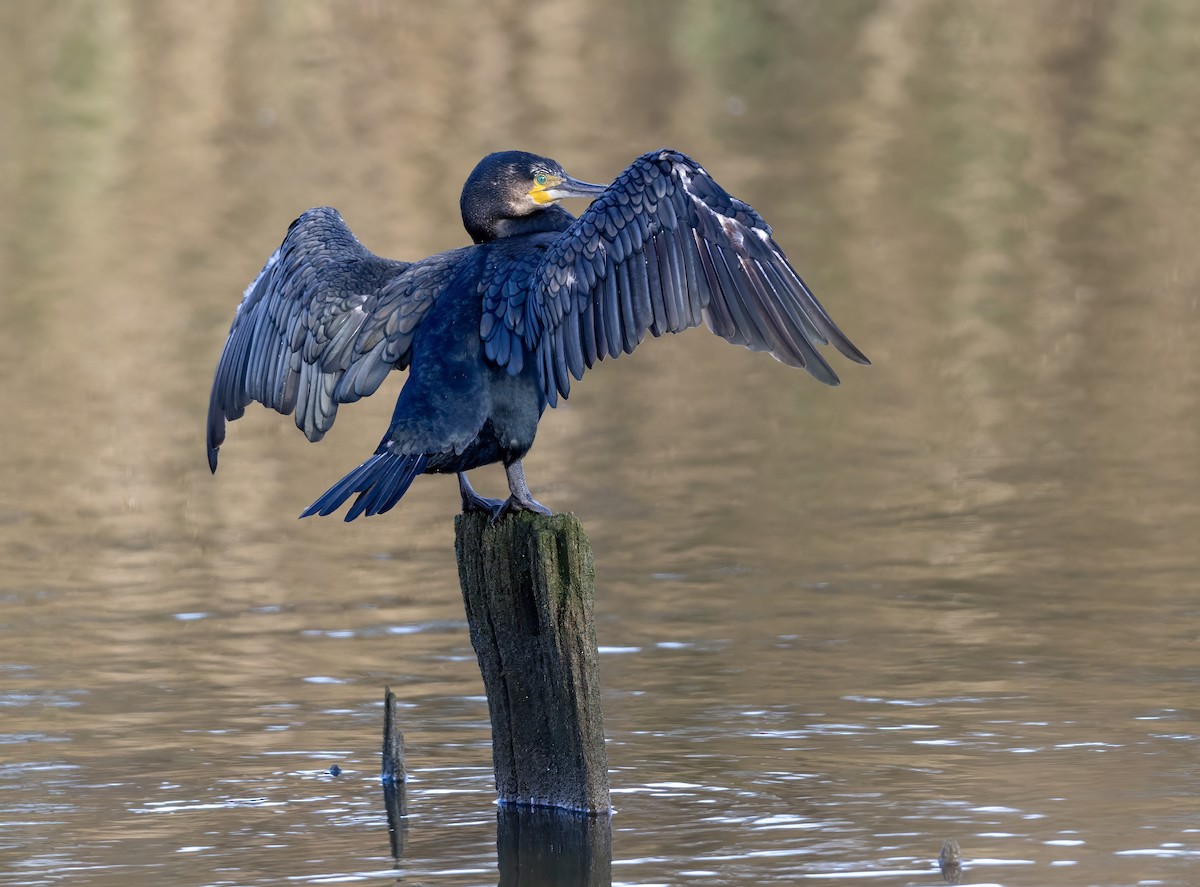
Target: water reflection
{"x": 954, "y": 597}
{"x": 395, "y": 801}
{"x": 538, "y": 847}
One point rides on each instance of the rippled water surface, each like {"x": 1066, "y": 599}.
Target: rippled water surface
{"x": 955, "y": 598}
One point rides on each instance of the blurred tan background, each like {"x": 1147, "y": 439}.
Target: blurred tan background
{"x": 998, "y": 200}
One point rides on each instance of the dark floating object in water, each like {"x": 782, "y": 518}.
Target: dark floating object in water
{"x": 493, "y": 333}
{"x": 335, "y": 770}
{"x": 950, "y": 861}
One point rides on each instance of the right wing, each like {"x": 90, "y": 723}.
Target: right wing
{"x": 663, "y": 249}
{"x": 323, "y": 323}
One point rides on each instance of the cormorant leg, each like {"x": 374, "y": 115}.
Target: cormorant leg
{"x": 472, "y": 501}
{"x": 521, "y": 499}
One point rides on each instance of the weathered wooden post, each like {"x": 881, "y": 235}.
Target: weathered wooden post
{"x": 528, "y": 587}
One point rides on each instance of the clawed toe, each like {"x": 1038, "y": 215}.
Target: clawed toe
{"x": 472, "y": 501}
{"x": 520, "y": 500}
{"x": 483, "y": 503}
{"x": 512, "y": 504}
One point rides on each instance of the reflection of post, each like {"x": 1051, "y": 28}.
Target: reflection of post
{"x": 397, "y": 820}
{"x": 528, "y": 587}
{"x": 542, "y": 847}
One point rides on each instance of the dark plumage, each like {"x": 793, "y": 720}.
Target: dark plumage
{"x": 493, "y": 333}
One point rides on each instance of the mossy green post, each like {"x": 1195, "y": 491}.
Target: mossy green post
{"x": 528, "y": 585}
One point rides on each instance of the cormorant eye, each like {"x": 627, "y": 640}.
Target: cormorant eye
{"x": 540, "y": 179}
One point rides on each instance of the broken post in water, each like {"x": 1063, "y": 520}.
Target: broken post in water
{"x": 394, "y": 775}
{"x": 393, "y": 742}
{"x": 528, "y": 587}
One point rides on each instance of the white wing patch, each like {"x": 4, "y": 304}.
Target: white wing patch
{"x": 271, "y": 262}
{"x": 734, "y": 230}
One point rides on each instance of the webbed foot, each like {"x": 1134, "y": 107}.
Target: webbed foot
{"x": 513, "y": 504}
{"x": 521, "y": 499}
{"x": 472, "y": 501}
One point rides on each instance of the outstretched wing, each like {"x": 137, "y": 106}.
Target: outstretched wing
{"x": 662, "y": 249}
{"x": 322, "y": 324}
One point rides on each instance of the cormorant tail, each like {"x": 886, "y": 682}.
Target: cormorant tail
{"x": 380, "y": 482}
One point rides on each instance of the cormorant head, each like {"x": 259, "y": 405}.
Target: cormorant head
{"x": 514, "y": 192}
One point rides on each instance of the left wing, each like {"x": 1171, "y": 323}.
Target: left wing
{"x": 323, "y": 323}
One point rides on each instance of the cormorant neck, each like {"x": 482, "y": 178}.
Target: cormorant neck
{"x": 551, "y": 218}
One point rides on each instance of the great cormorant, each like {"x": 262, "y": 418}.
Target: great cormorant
{"x": 493, "y": 333}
